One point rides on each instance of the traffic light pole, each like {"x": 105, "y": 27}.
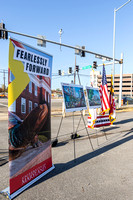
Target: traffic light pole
{"x": 75, "y": 71}
{"x": 61, "y": 44}
{"x": 120, "y": 88}
{"x": 4, "y": 80}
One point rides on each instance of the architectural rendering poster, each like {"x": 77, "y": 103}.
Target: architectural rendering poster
{"x": 93, "y": 97}
{"x": 74, "y": 98}
{"x": 29, "y": 119}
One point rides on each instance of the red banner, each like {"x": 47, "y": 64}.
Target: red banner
{"x": 29, "y": 175}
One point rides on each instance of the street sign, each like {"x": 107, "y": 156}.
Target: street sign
{"x": 87, "y": 67}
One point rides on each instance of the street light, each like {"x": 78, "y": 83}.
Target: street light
{"x": 60, "y": 32}
{"x": 115, "y": 10}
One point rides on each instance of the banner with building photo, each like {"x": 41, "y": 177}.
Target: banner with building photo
{"x": 29, "y": 118}
{"x": 74, "y": 97}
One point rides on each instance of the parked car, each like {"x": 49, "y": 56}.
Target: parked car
{"x": 127, "y": 99}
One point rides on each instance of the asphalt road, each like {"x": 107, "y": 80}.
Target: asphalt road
{"x": 56, "y": 104}
{"x": 3, "y": 101}
{"x": 103, "y": 173}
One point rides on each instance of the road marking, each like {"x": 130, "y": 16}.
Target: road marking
{"x": 3, "y": 105}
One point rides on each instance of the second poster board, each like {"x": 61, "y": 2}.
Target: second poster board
{"x": 93, "y": 97}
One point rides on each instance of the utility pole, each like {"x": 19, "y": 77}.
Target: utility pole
{"x": 113, "y": 67}
{"x": 121, "y": 75}
{"x": 4, "y": 80}
{"x": 75, "y": 71}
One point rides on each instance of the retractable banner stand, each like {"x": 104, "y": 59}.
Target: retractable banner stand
{"x": 29, "y": 115}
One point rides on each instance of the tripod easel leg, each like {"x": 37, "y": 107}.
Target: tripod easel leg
{"x": 59, "y": 127}
{"x": 105, "y": 133}
{"x": 54, "y": 143}
{"x": 97, "y": 138}
{"x": 87, "y": 131}
{"x": 74, "y": 140}
{"x": 78, "y": 124}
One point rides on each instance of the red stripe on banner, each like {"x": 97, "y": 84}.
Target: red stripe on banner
{"x": 99, "y": 125}
{"x": 24, "y": 178}
{"x": 17, "y": 43}
{"x": 101, "y": 116}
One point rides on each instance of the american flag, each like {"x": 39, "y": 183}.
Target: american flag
{"x": 104, "y": 93}
{"x": 112, "y": 115}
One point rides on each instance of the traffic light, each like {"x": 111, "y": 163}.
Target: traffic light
{"x": 3, "y": 34}
{"x": 0, "y": 34}
{"x": 70, "y": 70}
{"x": 121, "y": 61}
{"x": 83, "y": 52}
{"x": 77, "y": 68}
{"x": 59, "y": 72}
{"x": 94, "y": 64}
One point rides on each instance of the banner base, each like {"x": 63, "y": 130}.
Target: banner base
{"x": 7, "y": 190}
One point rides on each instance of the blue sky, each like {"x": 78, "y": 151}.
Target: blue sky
{"x": 85, "y": 23}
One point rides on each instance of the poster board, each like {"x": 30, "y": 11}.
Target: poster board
{"x": 29, "y": 115}
{"x": 93, "y": 97}
{"x": 74, "y": 97}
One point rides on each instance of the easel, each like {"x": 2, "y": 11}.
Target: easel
{"x": 97, "y": 135}
{"x": 74, "y": 134}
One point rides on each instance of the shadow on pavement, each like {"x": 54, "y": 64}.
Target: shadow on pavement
{"x": 128, "y": 132}
{"x": 59, "y": 144}
{"x": 3, "y": 161}
{"x": 124, "y": 121}
{"x": 3, "y": 156}
{"x": 62, "y": 167}
{"x": 110, "y": 128}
